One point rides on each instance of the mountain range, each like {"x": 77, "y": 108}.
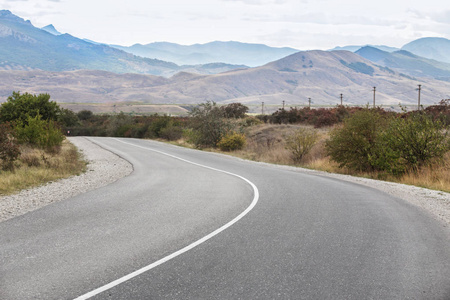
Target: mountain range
{"x": 319, "y": 75}
{"x": 406, "y": 62}
{"x": 25, "y": 47}
{"x": 76, "y": 70}
{"x": 252, "y": 55}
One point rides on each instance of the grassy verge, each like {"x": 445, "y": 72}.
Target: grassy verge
{"x": 36, "y": 167}
{"x": 266, "y": 143}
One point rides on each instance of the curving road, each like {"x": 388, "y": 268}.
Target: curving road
{"x": 307, "y": 237}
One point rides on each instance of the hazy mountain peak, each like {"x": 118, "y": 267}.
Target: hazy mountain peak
{"x": 9, "y": 16}
{"x": 355, "y": 48}
{"x": 436, "y": 48}
{"x": 51, "y": 29}
{"x": 231, "y": 52}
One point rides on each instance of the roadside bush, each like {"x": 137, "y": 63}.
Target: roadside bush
{"x": 9, "y": 148}
{"x": 85, "y": 114}
{"x": 324, "y": 117}
{"x": 373, "y": 140}
{"x": 67, "y": 118}
{"x": 355, "y": 144}
{"x": 209, "y": 122}
{"x": 232, "y": 141}
{"x": 417, "y": 139}
{"x": 44, "y": 134}
{"x": 250, "y": 121}
{"x": 301, "y": 142}
{"x": 21, "y": 106}
{"x": 119, "y": 124}
{"x": 158, "y": 125}
{"x": 171, "y": 133}
{"x": 440, "y": 111}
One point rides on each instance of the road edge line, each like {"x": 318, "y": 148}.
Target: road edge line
{"x": 187, "y": 248}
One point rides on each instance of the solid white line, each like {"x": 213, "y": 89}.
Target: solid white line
{"x": 185, "y": 249}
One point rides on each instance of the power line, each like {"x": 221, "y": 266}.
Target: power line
{"x": 374, "y": 89}
{"x": 418, "y": 102}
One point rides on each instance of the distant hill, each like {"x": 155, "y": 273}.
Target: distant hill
{"x": 356, "y": 48}
{"x": 25, "y": 47}
{"x": 430, "y": 47}
{"x": 226, "y": 52}
{"x": 319, "y": 75}
{"x": 51, "y": 29}
{"x": 407, "y": 63}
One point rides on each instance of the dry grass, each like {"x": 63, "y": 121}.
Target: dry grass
{"x": 265, "y": 143}
{"x": 436, "y": 176}
{"x": 36, "y": 167}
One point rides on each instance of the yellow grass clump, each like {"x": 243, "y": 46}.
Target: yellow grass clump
{"x": 36, "y": 167}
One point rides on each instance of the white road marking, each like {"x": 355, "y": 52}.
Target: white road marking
{"x": 187, "y": 248}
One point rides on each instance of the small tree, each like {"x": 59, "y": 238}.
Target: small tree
{"x": 67, "y": 118}
{"x": 209, "y": 123}
{"x": 301, "y": 142}
{"x": 234, "y": 110}
{"x": 85, "y": 114}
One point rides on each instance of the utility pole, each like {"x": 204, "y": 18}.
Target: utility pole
{"x": 341, "y": 99}
{"x": 309, "y": 101}
{"x": 283, "y": 104}
{"x": 262, "y": 108}
{"x": 374, "y": 89}
{"x": 418, "y": 103}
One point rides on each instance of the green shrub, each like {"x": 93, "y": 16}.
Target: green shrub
{"x": 250, "y": 121}
{"x": 21, "y": 106}
{"x": 44, "y": 134}
{"x": 171, "y": 133}
{"x": 119, "y": 124}
{"x": 301, "y": 142}
{"x": 209, "y": 122}
{"x": 417, "y": 139}
{"x": 232, "y": 141}
{"x": 84, "y": 115}
{"x": 371, "y": 140}
{"x": 192, "y": 136}
{"x": 53, "y": 138}
{"x": 234, "y": 110}
{"x": 355, "y": 144}
{"x": 9, "y": 147}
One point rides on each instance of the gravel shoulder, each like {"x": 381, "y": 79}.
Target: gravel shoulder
{"x": 105, "y": 167}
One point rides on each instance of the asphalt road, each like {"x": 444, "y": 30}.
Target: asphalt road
{"x": 307, "y": 237}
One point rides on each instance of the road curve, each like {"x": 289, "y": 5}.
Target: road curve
{"x": 309, "y": 237}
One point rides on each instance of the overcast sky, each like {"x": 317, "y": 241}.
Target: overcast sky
{"x": 301, "y": 24}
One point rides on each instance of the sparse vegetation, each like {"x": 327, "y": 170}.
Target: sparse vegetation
{"x": 9, "y": 147}
{"x": 301, "y": 142}
{"x": 36, "y": 166}
{"x": 212, "y": 123}
{"x": 31, "y": 141}
{"x": 404, "y": 147}
{"x": 232, "y": 141}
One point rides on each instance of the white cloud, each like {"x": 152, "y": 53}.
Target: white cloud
{"x": 300, "y": 24}
{"x": 258, "y": 2}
